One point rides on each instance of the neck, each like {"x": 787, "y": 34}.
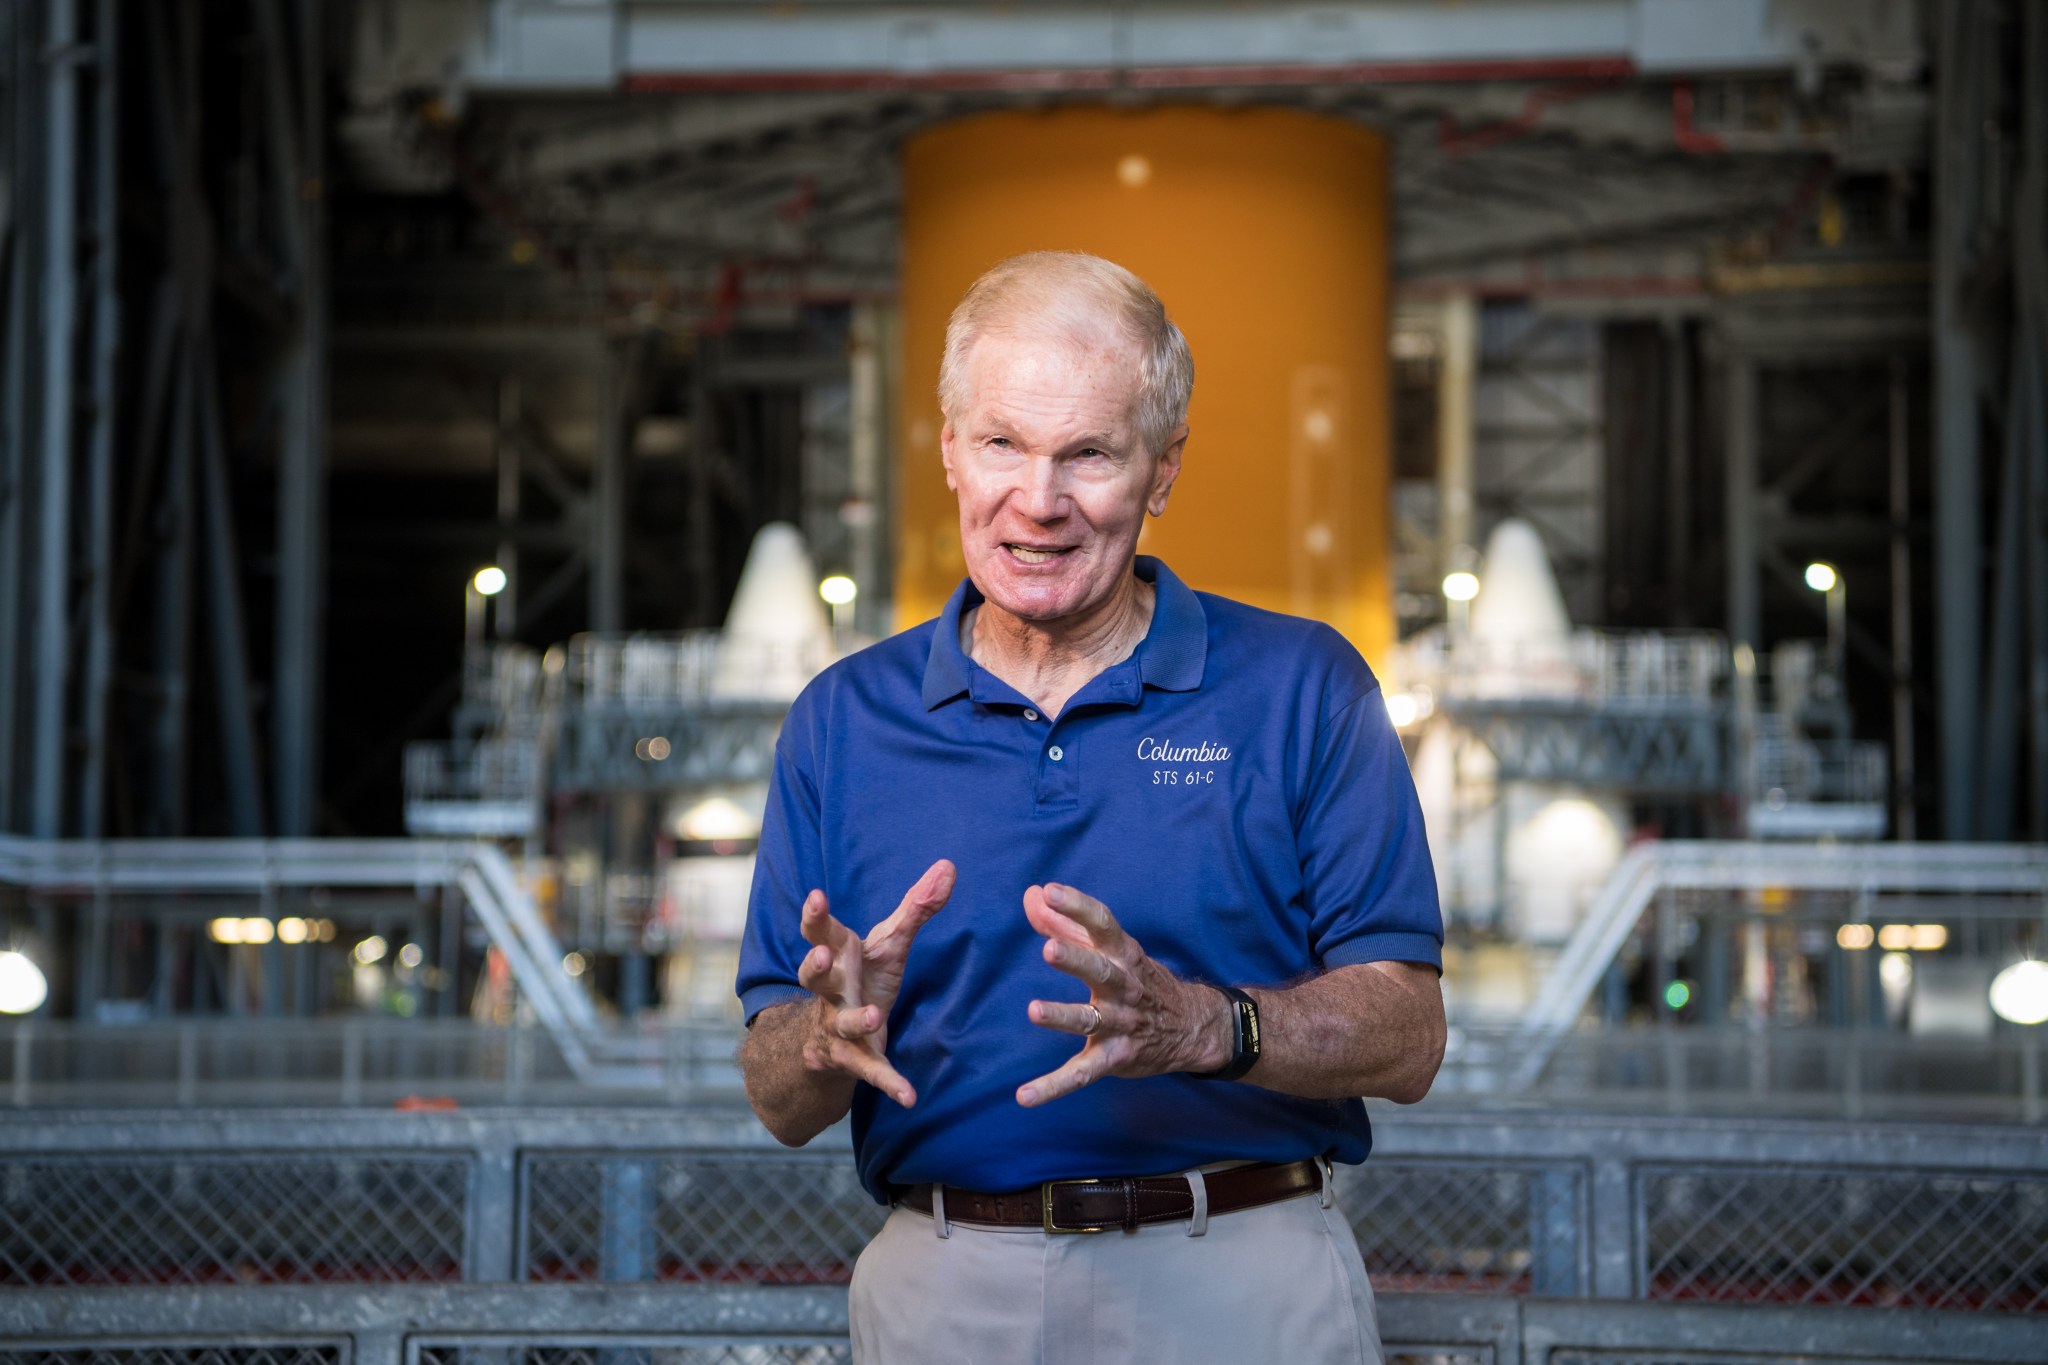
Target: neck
{"x": 1050, "y": 662}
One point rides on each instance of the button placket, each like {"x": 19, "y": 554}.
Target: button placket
{"x": 1058, "y": 771}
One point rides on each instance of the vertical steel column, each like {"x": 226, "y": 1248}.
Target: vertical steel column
{"x": 866, "y": 439}
{"x": 506, "y": 609}
{"x": 58, "y": 340}
{"x": 626, "y": 1242}
{"x": 173, "y": 644}
{"x": 224, "y": 616}
{"x": 302, "y": 454}
{"x": 106, "y": 337}
{"x": 15, "y": 428}
{"x": 608, "y": 492}
{"x": 1678, "y": 467}
{"x": 1958, "y": 579}
{"x": 1997, "y": 768}
{"x": 1557, "y": 1254}
{"x": 2030, "y": 358}
{"x": 1904, "y": 817}
{"x": 1457, "y": 362}
{"x": 489, "y": 1250}
{"x": 1745, "y": 626}
{"x": 704, "y": 607}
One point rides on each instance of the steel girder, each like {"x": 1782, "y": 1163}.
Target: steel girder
{"x": 122, "y": 573}
{"x": 1649, "y": 753}
{"x": 709, "y": 743}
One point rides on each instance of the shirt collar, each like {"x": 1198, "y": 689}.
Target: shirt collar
{"x": 1171, "y": 657}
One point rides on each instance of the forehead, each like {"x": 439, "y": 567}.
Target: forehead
{"x": 1044, "y": 368}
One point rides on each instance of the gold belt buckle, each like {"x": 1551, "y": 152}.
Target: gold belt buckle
{"x": 1045, "y": 1208}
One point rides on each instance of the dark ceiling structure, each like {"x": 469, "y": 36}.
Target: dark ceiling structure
{"x": 311, "y": 309}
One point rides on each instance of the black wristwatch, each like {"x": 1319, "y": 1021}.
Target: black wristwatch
{"x": 1244, "y": 1048}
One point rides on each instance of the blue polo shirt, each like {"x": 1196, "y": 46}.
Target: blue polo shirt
{"x": 1233, "y": 791}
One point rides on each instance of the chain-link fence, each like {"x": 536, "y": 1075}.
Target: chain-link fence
{"x": 243, "y": 1218}
{"x": 641, "y": 1353}
{"x": 1464, "y": 1210}
{"x": 224, "y": 1354}
{"x": 1931, "y": 1239}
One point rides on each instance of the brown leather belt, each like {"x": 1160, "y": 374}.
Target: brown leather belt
{"x": 1101, "y": 1204}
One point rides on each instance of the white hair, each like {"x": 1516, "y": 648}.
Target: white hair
{"x": 1072, "y": 295}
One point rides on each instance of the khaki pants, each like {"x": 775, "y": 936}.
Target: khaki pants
{"x": 1284, "y": 1283}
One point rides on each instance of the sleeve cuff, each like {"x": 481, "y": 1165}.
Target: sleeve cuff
{"x": 1392, "y": 947}
{"x": 757, "y": 998}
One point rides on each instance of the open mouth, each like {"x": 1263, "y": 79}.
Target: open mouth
{"x": 1032, "y": 554}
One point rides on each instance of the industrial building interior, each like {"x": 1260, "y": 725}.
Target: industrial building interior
{"x": 440, "y": 438}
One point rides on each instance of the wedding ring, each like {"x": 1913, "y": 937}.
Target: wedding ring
{"x": 1094, "y": 1021}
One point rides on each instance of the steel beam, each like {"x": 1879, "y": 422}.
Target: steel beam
{"x": 1678, "y": 454}
{"x": 59, "y": 334}
{"x": 1457, "y": 362}
{"x": 15, "y": 425}
{"x": 300, "y": 128}
{"x": 106, "y": 354}
{"x": 172, "y": 581}
{"x": 1998, "y": 767}
{"x": 1905, "y": 814}
{"x": 513, "y": 45}
{"x": 608, "y": 499}
{"x": 1958, "y": 576}
{"x": 1745, "y": 621}
{"x": 224, "y": 614}
{"x": 2030, "y": 361}
{"x": 506, "y": 608}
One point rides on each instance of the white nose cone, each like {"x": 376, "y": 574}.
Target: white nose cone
{"x": 776, "y": 635}
{"x": 1518, "y": 598}
{"x": 1520, "y": 634}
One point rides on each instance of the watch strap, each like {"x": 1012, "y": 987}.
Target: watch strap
{"x": 1244, "y": 1052}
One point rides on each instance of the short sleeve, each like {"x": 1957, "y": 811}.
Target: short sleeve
{"x": 1368, "y": 881}
{"x": 787, "y": 866}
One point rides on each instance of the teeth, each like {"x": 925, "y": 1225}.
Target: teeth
{"x": 1030, "y": 556}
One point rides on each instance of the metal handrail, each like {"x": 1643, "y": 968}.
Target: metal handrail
{"x": 479, "y": 870}
{"x": 1651, "y": 868}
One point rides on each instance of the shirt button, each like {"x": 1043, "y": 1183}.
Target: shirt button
{"x": 1030, "y": 714}
{"x": 1055, "y": 753}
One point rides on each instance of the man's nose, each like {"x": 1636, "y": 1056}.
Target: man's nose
{"x": 1042, "y": 492}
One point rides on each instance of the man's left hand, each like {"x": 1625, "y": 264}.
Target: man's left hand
{"x": 1140, "y": 1019}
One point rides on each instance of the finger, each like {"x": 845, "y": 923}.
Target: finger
{"x": 856, "y": 1022}
{"x": 865, "y": 1064}
{"x": 1084, "y": 1068}
{"x": 1097, "y": 969}
{"x": 924, "y": 899}
{"x": 1081, "y": 1019}
{"x": 815, "y": 921}
{"x": 1090, "y": 913}
{"x": 1051, "y": 922}
{"x": 815, "y": 971}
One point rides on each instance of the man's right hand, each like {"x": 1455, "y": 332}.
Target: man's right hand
{"x": 855, "y": 981}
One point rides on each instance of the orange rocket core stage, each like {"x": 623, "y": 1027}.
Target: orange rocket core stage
{"x": 1265, "y": 231}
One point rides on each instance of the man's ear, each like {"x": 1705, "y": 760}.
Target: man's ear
{"x": 1166, "y": 471}
{"x": 946, "y": 452}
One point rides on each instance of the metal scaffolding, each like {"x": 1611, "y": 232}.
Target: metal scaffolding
{"x": 133, "y": 435}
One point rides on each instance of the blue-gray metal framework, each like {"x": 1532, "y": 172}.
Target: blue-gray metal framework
{"x": 128, "y": 692}
{"x": 1991, "y": 415}
{"x": 409, "y": 1235}
{"x": 1989, "y": 899}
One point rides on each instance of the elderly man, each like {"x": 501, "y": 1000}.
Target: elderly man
{"x": 1169, "y": 912}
